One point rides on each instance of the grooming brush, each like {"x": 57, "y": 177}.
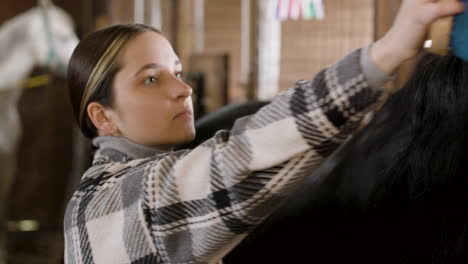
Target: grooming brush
{"x": 450, "y": 34}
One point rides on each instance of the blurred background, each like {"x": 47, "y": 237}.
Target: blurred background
{"x": 232, "y": 51}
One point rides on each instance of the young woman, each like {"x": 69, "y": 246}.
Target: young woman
{"x": 141, "y": 202}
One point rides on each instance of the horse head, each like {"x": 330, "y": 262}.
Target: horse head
{"x": 42, "y": 36}
{"x": 54, "y": 38}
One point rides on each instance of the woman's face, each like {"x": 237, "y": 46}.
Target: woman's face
{"x": 152, "y": 104}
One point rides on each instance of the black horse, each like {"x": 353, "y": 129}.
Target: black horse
{"x": 397, "y": 192}
{"x": 206, "y": 126}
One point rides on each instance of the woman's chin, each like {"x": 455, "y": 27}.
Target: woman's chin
{"x": 186, "y": 137}
{"x": 189, "y": 137}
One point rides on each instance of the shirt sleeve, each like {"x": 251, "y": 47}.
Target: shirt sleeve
{"x": 199, "y": 204}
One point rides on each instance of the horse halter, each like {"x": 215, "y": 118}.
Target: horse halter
{"x": 52, "y": 57}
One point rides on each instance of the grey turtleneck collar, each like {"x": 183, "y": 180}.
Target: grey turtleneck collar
{"x": 118, "y": 148}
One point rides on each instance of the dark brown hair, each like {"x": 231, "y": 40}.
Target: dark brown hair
{"x": 92, "y": 67}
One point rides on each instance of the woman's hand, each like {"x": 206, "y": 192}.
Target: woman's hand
{"x": 405, "y": 38}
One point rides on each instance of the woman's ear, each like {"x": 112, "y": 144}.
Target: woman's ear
{"x": 102, "y": 119}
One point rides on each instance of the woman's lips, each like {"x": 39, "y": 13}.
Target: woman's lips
{"x": 184, "y": 114}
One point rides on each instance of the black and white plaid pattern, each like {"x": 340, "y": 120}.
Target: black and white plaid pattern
{"x": 194, "y": 206}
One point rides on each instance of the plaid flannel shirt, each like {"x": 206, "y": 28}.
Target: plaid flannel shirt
{"x": 193, "y": 206}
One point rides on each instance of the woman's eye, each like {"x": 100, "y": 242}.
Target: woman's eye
{"x": 150, "y": 80}
{"x": 179, "y": 74}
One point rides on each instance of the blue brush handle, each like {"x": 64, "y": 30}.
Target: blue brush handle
{"x": 459, "y": 36}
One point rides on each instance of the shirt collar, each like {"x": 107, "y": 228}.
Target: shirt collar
{"x": 119, "y": 149}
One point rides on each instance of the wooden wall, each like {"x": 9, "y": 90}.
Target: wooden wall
{"x": 223, "y": 35}
{"x": 308, "y": 46}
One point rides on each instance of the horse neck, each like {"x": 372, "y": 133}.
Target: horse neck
{"x": 15, "y": 68}
{"x": 16, "y": 57}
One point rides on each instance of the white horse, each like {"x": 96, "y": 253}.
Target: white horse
{"x": 42, "y": 36}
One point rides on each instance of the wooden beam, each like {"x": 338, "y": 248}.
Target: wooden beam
{"x": 183, "y": 38}
{"x": 199, "y": 26}
{"x": 120, "y": 11}
{"x": 252, "y": 83}
{"x": 268, "y": 50}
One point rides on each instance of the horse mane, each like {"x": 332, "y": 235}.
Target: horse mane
{"x": 395, "y": 193}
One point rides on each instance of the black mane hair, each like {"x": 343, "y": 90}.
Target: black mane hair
{"x": 397, "y": 192}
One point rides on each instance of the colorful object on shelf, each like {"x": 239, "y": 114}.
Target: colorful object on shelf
{"x": 297, "y": 9}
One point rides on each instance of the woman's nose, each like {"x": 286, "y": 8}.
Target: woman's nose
{"x": 181, "y": 89}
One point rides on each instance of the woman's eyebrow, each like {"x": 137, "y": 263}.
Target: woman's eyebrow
{"x": 148, "y": 66}
{"x": 155, "y": 66}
